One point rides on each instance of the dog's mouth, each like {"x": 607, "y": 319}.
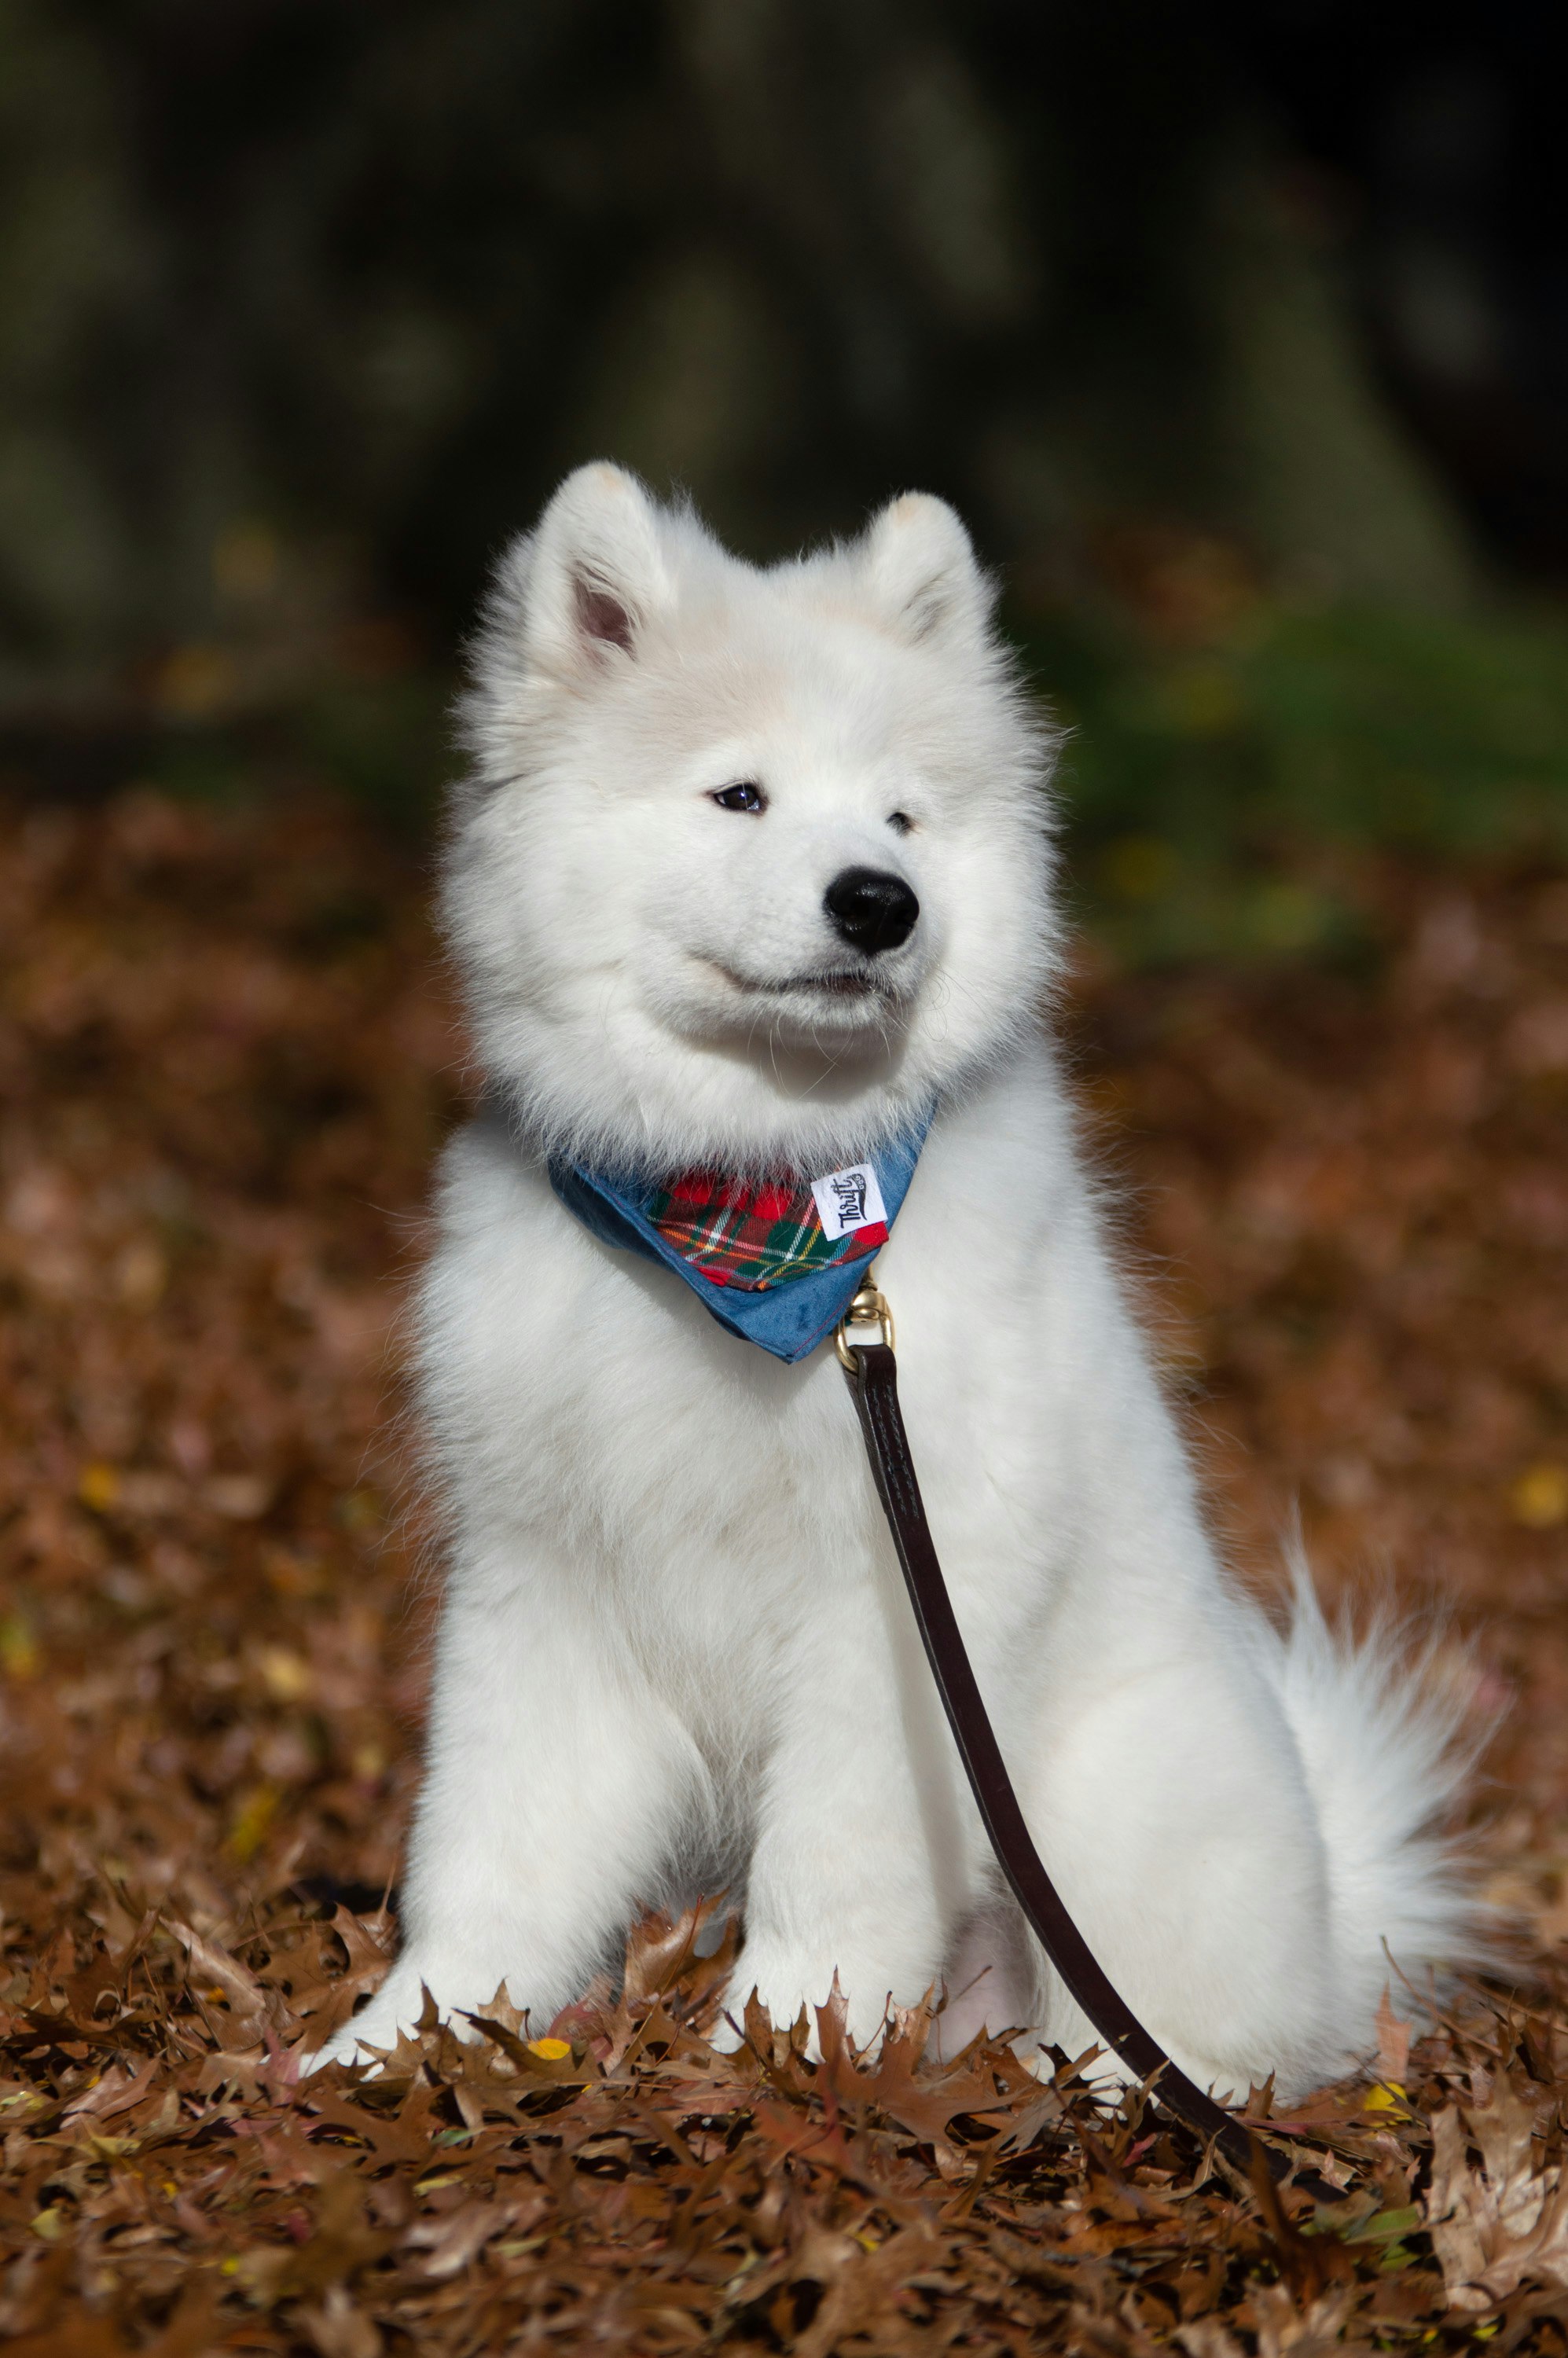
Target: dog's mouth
{"x": 842, "y": 1012}
{"x": 848, "y": 986}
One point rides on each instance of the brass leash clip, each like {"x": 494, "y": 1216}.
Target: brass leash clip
{"x": 868, "y": 1319}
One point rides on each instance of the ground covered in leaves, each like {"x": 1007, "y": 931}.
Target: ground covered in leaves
{"x": 226, "y": 1057}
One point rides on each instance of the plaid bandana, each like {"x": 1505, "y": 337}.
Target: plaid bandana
{"x": 774, "y": 1264}
{"x": 753, "y": 1233}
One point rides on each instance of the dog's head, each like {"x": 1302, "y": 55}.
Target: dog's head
{"x": 751, "y": 864}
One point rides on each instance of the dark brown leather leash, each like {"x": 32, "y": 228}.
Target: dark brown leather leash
{"x": 865, "y": 1344}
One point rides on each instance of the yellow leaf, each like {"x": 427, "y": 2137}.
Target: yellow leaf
{"x": 550, "y": 2050}
{"x": 252, "y": 1820}
{"x": 98, "y": 1485}
{"x": 287, "y": 1675}
{"x": 18, "y": 1647}
{"x": 1539, "y": 1498}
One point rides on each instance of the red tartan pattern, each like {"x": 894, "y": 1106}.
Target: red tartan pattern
{"x": 750, "y": 1234}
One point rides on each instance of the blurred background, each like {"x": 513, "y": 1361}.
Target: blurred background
{"x": 1239, "y": 335}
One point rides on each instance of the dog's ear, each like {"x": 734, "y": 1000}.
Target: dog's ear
{"x": 920, "y": 569}
{"x": 595, "y": 574}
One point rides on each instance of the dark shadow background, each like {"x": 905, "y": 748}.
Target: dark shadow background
{"x": 1239, "y": 335}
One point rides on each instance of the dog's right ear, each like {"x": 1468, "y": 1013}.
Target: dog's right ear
{"x": 596, "y": 574}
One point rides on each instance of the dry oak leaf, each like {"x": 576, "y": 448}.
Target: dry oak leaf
{"x": 327, "y": 2002}
{"x": 862, "y": 2289}
{"x": 924, "y": 2100}
{"x": 1493, "y": 2227}
{"x": 339, "y": 2329}
{"x": 450, "y": 2243}
{"x": 1283, "y": 2329}
{"x": 341, "y": 2246}
{"x": 116, "y": 2092}
{"x": 1312, "y": 2328}
{"x": 248, "y": 2001}
{"x": 1394, "y": 2043}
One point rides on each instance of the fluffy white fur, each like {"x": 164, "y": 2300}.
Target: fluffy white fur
{"x": 675, "y": 1651}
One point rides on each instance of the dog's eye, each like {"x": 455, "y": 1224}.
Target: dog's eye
{"x": 900, "y": 822}
{"x": 743, "y": 797}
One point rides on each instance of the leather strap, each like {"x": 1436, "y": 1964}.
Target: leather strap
{"x": 873, "y": 1378}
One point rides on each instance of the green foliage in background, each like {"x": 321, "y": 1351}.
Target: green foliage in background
{"x": 1199, "y": 785}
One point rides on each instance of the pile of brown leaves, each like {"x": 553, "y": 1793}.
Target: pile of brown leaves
{"x": 226, "y": 1058}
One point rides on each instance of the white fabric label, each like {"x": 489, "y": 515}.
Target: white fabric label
{"x": 848, "y": 1200}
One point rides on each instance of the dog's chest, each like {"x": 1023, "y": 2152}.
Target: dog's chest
{"x": 699, "y": 1496}
{"x": 701, "y": 1473}
{"x": 595, "y": 1421}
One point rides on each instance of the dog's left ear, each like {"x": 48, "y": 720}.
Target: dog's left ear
{"x": 920, "y": 568}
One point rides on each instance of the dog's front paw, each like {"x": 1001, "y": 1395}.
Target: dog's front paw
{"x": 392, "y": 2013}
{"x": 787, "y": 1985}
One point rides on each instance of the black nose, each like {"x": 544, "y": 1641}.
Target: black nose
{"x": 873, "y": 910}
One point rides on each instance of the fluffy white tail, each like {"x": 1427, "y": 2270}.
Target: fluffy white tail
{"x": 1388, "y": 1734}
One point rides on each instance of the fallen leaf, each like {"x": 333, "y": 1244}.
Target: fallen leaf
{"x": 1496, "y": 2227}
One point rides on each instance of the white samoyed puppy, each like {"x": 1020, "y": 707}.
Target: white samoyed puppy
{"x": 675, "y": 1652}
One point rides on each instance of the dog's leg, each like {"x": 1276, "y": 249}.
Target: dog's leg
{"x": 555, "y": 1782}
{"x": 1172, "y": 1810}
{"x": 991, "y": 1981}
{"x": 865, "y": 1855}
